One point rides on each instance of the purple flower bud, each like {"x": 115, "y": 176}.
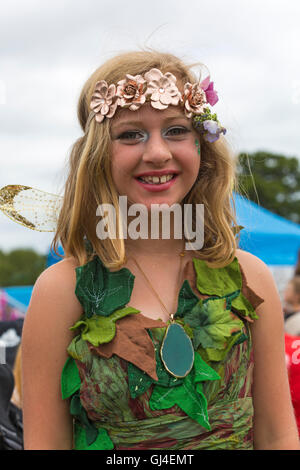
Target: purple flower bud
{"x": 211, "y": 126}
{"x": 211, "y": 137}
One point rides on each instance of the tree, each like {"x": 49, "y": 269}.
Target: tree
{"x": 20, "y": 267}
{"x": 275, "y": 179}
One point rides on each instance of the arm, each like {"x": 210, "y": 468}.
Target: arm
{"x": 274, "y": 421}
{"x": 53, "y": 309}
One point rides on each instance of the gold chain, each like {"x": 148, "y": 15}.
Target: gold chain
{"x": 171, "y": 315}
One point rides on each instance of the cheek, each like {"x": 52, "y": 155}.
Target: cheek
{"x": 123, "y": 168}
{"x": 194, "y": 158}
{"x": 119, "y": 162}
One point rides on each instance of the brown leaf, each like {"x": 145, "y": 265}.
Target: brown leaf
{"x": 133, "y": 343}
{"x": 254, "y": 299}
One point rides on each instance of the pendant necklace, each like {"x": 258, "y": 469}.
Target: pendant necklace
{"x": 177, "y": 351}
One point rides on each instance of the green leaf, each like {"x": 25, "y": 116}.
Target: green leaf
{"x": 218, "y": 281}
{"x": 202, "y": 371}
{"x": 77, "y": 410}
{"x": 212, "y": 323}
{"x": 191, "y": 401}
{"x": 70, "y": 379}
{"x": 216, "y": 355}
{"x": 77, "y": 349}
{"x": 187, "y": 299}
{"x": 140, "y": 382}
{"x": 97, "y": 329}
{"x": 102, "y": 441}
{"x": 188, "y": 395}
{"x": 101, "y": 291}
{"x": 245, "y": 308}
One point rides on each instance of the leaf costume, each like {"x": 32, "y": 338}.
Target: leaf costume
{"x": 121, "y": 395}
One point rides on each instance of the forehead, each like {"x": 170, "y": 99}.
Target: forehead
{"x": 147, "y": 114}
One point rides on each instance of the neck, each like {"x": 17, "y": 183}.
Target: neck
{"x": 166, "y": 243}
{"x": 150, "y": 247}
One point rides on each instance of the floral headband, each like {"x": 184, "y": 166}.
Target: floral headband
{"x": 161, "y": 91}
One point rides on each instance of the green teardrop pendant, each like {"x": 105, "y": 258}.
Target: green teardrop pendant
{"x": 177, "y": 352}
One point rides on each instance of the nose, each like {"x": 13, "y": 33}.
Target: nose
{"x": 156, "y": 150}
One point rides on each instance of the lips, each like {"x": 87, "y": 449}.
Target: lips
{"x": 156, "y": 179}
{"x": 158, "y": 173}
{"x": 155, "y": 183}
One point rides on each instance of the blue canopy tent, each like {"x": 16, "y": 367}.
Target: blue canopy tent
{"x": 19, "y": 296}
{"x": 14, "y": 302}
{"x": 268, "y": 236}
{"x": 53, "y": 258}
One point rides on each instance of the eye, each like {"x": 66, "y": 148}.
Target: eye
{"x": 131, "y": 136}
{"x": 176, "y": 131}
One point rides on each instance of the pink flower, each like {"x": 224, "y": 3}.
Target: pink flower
{"x": 162, "y": 89}
{"x": 131, "y": 92}
{"x": 211, "y": 94}
{"x": 104, "y": 100}
{"x": 194, "y": 99}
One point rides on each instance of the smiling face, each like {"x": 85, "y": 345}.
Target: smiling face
{"x": 155, "y": 158}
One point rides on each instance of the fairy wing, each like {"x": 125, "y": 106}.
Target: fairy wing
{"x": 30, "y": 207}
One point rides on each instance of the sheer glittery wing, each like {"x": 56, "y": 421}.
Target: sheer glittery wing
{"x": 32, "y": 208}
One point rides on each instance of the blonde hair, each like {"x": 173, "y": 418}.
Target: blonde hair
{"x": 90, "y": 182}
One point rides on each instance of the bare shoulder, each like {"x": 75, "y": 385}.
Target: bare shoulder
{"x": 63, "y": 269}
{"x": 259, "y": 277}
{"x": 59, "y": 281}
{"x": 250, "y": 262}
{"x": 53, "y": 298}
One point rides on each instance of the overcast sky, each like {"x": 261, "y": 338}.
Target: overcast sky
{"x": 49, "y": 48}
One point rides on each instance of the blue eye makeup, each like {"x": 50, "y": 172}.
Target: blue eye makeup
{"x": 133, "y": 136}
{"x": 136, "y": 136}
{"x": 175, "y": 131}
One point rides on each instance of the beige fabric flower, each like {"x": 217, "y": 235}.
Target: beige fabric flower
{"x": 162, "y": 89}
{"x": 194, "y": 99}
{"x": 131, "y": 92}
{"x": 104, "y": 100}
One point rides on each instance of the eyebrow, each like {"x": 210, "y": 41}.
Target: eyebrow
{"x": 138, "y": 123}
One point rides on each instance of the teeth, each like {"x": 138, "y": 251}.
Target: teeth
{"x": 157, "y": 179}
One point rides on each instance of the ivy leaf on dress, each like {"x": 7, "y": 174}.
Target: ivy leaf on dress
{"x": 101, "y": 291}
{"x": 227, "y": 281}
{"x": 70, "y": 379}
{"x": 97, "y": 330}
{"x": 213, "y": 324}
{"x": 218, "y": 281}
{"x": 245, "y": 308}
{"x": 77, "y": 410}
{"x": 86, "y": 433}
{"x": 102, "y": 441}
{"x": 217, "y": 355}
{"x": 139, "y": 382}
{"x": 187, "y": 299}
{"x": 188, "y": 395}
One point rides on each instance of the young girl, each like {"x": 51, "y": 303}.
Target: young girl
{"x": 151, "y": 342}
